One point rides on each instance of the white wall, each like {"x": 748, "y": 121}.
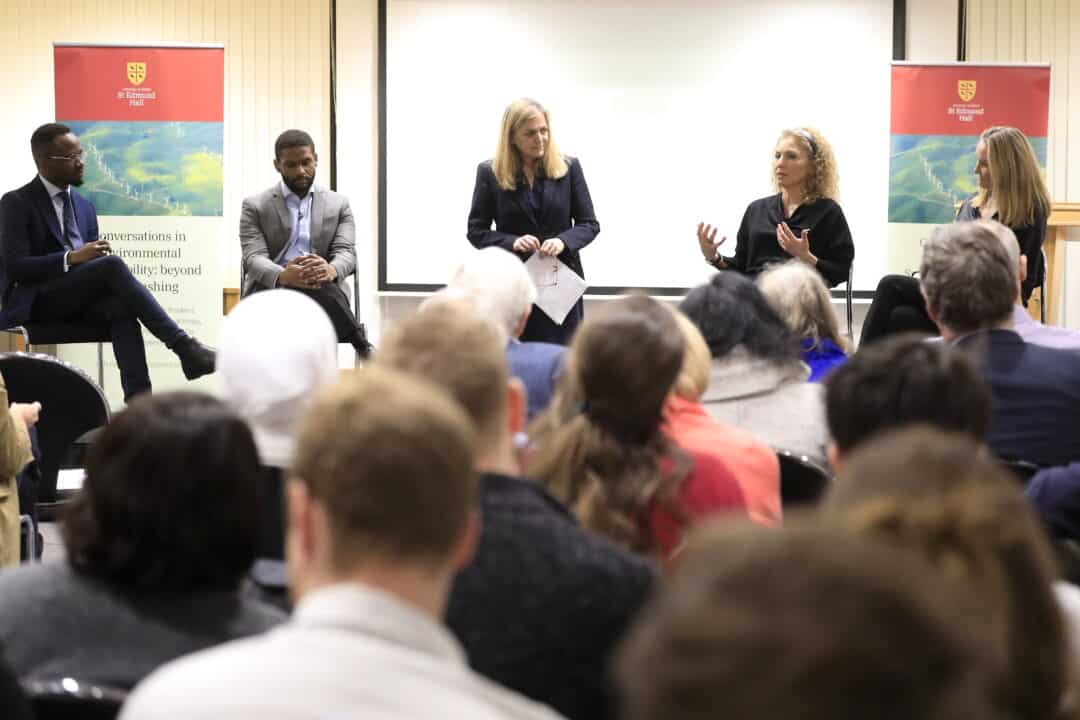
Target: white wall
{"x": 932, "y": 30}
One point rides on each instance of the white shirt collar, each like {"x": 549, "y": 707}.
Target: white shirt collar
{"x": 53, "y": 189}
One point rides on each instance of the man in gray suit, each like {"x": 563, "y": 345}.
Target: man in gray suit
{"x": 300, "y": 236}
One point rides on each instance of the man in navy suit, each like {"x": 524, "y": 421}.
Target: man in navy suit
{"x": 502, "y": 291}
{"x": 55, "y": 267}
{"x": 969, "y": 283}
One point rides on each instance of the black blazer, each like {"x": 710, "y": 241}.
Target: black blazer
{"x": 32, "y": 246}
{"x": 1036, "y": 397}
{"x": 567, "y": 213}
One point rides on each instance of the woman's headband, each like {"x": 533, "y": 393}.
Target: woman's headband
{"x": 805, "y": 135}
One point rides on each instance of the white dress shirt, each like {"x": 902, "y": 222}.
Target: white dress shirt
{"x": 348, "y": 652}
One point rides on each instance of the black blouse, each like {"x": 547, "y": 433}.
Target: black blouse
{"x": 830, "y": 238}
{"x": 1030, "y": 238}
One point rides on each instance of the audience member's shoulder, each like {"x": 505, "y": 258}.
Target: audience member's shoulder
{"x": 213, "y": 671}
{"x": 548, "y": 528}
{"x": 541, "y": 351}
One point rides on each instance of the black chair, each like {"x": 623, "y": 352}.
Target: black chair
{"x": 847, "y": 299}
{"x": 1042, "y": 289}
{"x": 69, "y": 699}
{"x": 66, "y": 333}
{"x": 802, "y": 481}
{"x": 71, "y": 404}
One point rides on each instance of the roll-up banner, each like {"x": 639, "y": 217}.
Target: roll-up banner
{"x": 150, "y": 119}
{"x": 938, "y": 113}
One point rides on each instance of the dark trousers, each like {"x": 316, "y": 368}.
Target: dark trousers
{"x": 898, "y": 306}
{"x": 541, "y": 328}
{"x": 103, "y": 291}
{"x": 336, "y": 306}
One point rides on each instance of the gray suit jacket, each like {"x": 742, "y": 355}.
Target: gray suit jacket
{"x": 265, "y": 230}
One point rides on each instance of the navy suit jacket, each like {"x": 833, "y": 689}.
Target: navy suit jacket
{"x": 567, "y": 213}
{"x": 537, "y": 365}
{"x": 32, "y": 247}
{"x": 1036, "y": 397}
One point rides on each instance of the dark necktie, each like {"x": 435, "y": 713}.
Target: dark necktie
{"x": 71, "y": 228}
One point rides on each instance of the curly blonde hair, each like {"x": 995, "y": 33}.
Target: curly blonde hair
{"x": 824, "y": 180}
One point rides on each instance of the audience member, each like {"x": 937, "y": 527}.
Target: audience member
{"x": 943, "y": 496}
{"x": 270, "y": 377}
{"x": 15, "y": 453}
{"x": 1024, "y": 325}
{"x": 12, "y": 699}
{"x": 970, "y": 288}
{"x": 381, "y": 514}
{"x": 903, "y": 380}
{"x": 757, "y": 381}
{"x": 798, "y": 294}
{"x": 804, "y": 624}
{"x": 543, "y": 602}
{"x": 599, "y": 447}
{"x": 1055, "y": 495}
{"x": 500, "y": 287}
{"x": 157, "y": 543}
{"x": 688, "y": 424}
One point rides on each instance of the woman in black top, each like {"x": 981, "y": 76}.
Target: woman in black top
{"x": 802, "y": 220}
{"x": 1011, "y": 191}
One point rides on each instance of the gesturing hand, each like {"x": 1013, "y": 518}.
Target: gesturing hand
{"x": 526, "y": 244}
{"x": 89, "y": 251}
{"x": 552, "y": 247}
{"x": 707, "y": 242}
{"x": 797, "y": 246}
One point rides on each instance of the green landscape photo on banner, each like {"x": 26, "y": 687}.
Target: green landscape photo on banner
{"x": 153, "y": 168}
{"x": 929, "y": 175}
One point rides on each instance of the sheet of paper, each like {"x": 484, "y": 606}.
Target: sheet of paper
{"x": 70, "y": 479}
{"x": 557, "y": 286}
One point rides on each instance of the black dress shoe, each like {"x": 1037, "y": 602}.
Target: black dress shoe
{"x": 360, "y": 343}
{"x": 196, "y": 359}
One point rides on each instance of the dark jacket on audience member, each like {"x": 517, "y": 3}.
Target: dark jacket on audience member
{"x": 1055, "y": 495}
{"x": 57, "y": 623}
{"x": 12, "y": 700}
{"x": 543, "y": 603}
{"x": 1036, "y": 397}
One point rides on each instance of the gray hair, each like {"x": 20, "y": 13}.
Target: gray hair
{"x": 498, "y": 285}
{"x": 968, "y": 277}
{"x": 1007, "y": 238}
{"x": 798, "y": 294}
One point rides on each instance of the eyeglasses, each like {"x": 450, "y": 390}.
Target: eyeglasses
{"x": 73, "y": 157}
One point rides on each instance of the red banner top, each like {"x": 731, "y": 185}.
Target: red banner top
{"x": 967, "y": 99}
{"x": 140, "y": 83}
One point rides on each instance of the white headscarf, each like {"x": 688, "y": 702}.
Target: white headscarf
{"x": 277, "y": 350}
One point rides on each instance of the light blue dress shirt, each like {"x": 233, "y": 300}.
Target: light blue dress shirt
{"x": 300, "y": 220}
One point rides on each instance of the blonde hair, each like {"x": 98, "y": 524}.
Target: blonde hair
{"x": 1016, "y": 181}
{"x": 507, "y": 162}
{"x": 694, "y": 376}
{"x": 799, "y": 296}
{"x": 823, "y": 181}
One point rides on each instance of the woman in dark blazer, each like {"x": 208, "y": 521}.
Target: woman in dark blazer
{"x": 539, "y": 203}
